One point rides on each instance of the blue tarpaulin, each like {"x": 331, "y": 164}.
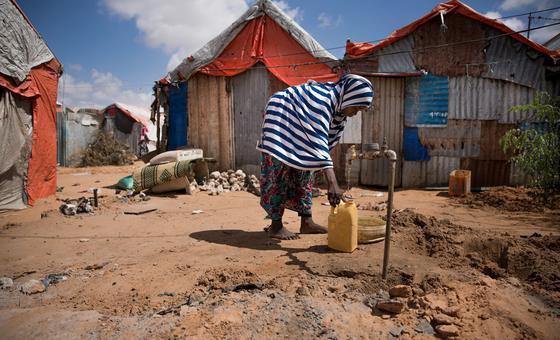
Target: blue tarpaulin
{"x": 178, "y": 117}
{"x": 413, "y": 150}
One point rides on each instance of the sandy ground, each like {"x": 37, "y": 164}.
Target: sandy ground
{"x": 171, "y": 273}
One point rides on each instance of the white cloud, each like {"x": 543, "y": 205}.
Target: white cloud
{"x": 538, "y": 35}
{"x": 326, "y": 21}
{"x": 508, "y": 5}
{"x": 75, "y": 67}
{"x": 544, "y": 34}
{"x": 178, "y": 27}
{"x": 295, "y": 13}
{"x": 101, "y": 90}
{"x": 513, "y": 23}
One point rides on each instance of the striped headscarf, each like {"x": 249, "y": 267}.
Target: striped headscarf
{"x": 303, "y": 123}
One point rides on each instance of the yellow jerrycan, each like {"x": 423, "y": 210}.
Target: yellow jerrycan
{"x": 343, "y": 227}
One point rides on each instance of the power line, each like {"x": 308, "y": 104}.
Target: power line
{"x": 528, "y": 13}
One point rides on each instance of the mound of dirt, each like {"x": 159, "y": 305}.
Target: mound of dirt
{"x": 511, "y": 199}
{"x": 533, "y": 259}
{"x": 106, "y": 150}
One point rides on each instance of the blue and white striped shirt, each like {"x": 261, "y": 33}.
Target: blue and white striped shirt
{"x": 303, "y": 123}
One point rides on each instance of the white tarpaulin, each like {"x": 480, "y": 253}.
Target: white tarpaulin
{"x": 214, "y": 48}
{"x": 21, "y": 48}
{"x": 16, "y": 125}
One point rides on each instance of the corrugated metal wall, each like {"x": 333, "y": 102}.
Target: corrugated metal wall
{"x": 393, "y": 60}
{"x": 250, "y": 95}
{"x": 129, "y": 139}
{"x": 460, "y": 138}
{"x": 384, "y": 119}
{"x": 434, "y": 172}
{"x": 210, "y": 120}
{"x": 79, "y": 132}
{"x": 426, "y": 101}
{"x": 487, "y": 99}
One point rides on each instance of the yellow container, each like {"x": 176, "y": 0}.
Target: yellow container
{"x": 343, "y": 227}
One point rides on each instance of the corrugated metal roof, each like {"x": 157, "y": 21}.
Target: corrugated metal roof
{"x": 434, "y": 172}
{"x": 460, "y": 138}
{"x": 511, "y": 60}
{"x": 426, "y": 101}
{"x": 487, "y": 99}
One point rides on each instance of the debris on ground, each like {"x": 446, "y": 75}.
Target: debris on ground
{"x": 96, "y": 266}
{"x": 32, "y": 287}
{"x": 53, "y": 279}
{"x": 106, "y": 150}
{"x": 511, "y": 199}
{"x": 81, "y": 205}
{"x": 220, "y": 182}
{"x": 196, "y": 212}
{"x": 141, "y": 212}
{"x": 6, "y": 283}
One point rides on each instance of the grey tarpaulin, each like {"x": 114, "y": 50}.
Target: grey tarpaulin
{"x": 214, "y": 48}
{"x": 15, "y": 138}
{"x": 21, "y": 48}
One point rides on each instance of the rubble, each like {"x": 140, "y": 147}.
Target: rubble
{"x": 447, "y": 330}
{"x": 77, "y": 206}
{"x": 106, "y": 150}
{"x": 391, "y": 306}
{"x": 6, "y": 282}
{"x": 400, "y": 291}
{"x": 32, "y": 287}
{"x": 228, "y": 181}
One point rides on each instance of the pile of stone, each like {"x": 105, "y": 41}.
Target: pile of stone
{"x": 220, "y": 182}
{"x": 106, "y": 150}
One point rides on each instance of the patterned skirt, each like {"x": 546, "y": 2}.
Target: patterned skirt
{"x": 284, "y": 187}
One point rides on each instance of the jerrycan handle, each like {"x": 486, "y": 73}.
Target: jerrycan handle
{"x": 334, "y": 210}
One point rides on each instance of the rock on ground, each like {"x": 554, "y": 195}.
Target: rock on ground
{"x": 400, "y": 291}
{"x": 32, "y": 287}
{"x": 447, "y": 330}
{"x": 391, "y": 306}
{"x": 6, "y": 282}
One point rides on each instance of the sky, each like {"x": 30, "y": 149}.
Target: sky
{"x": 114, "y": 50}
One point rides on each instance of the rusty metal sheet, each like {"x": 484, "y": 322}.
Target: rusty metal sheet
{"x": 487, "y": 173}
{"x": 450, "y": 56}
{"x": 511, "y": 60}
{"x": 518, "y": 176}
{"x": 491, "y": 133}
{"x": 397, "y": 57}
{"x": 460, "y": 138}
{"x": 487, "y": 99}
{"x": 383, "y": 120}
{"x": 434, "y": 172}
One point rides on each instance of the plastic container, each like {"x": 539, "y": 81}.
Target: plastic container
{"x": 343, "y": 227}
{"x": 459, "y": 182}
{"x": 371, "y": 229}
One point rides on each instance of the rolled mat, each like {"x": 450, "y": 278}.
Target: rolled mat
{"x": 152, "y": 175}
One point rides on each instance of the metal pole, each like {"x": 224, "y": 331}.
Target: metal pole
{"x": 529, "y": 26}
{"x": 389, "y": 215}
{"x": 95, "y": 197}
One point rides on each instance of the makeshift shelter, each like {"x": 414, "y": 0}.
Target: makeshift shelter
{"x": 76, "y": 131}
{"x": 444, "y": 88}
{"x": 127, "y": 124}
{"x": 215, "y": 98}
{"x": 29, "y": 74}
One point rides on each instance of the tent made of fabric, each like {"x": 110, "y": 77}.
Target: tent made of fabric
{"x": 29, "y": 74}
{"x": 265, "y": 34}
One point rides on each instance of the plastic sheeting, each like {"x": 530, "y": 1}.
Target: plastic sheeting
{"x": 15, "y": 137}
{"x": 263, "y": 33}
{"x": 354, "y": 50}
{"x": 22, "y": 47}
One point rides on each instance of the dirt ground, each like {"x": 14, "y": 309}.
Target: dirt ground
{"x": 470, "y": 269}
